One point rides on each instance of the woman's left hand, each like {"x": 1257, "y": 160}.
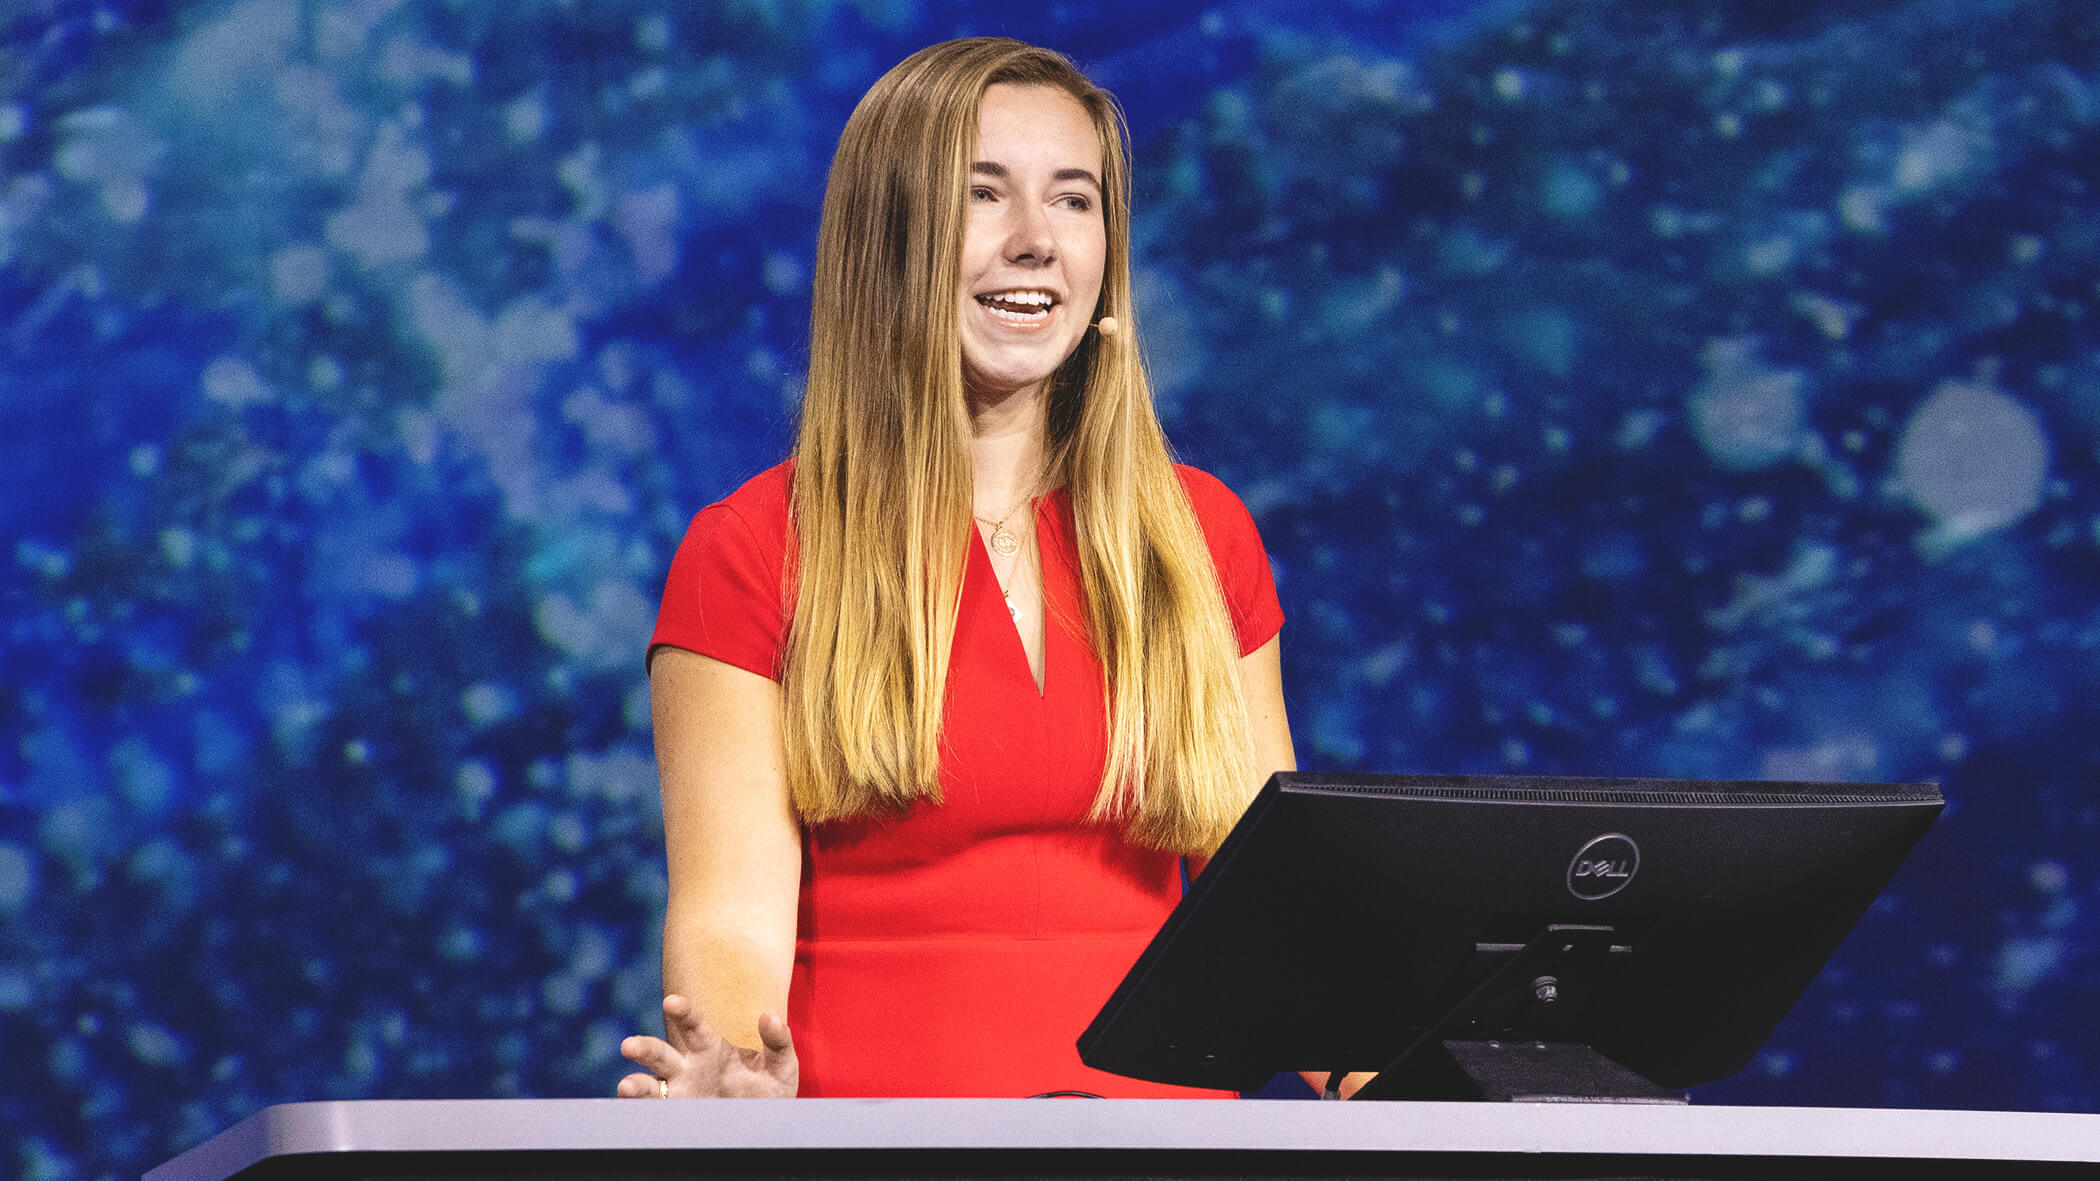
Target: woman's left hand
{"x": 710, "y": 1066}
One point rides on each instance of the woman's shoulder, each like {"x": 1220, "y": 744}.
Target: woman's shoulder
{"x": 722, "y": 597}
{"x": 1226, "y": 522}
{"x": 1236, "y": 550}
{"x": 763, "y": 498}
{"x": 747, "y": 530}
{"x": 758, "y": 510}
{"x": 1209, "y": 495}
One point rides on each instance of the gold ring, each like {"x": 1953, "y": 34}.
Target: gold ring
{"x": 663, "y": 1088}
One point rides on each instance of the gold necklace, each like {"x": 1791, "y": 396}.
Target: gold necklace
{"x": 1005, "y": 544}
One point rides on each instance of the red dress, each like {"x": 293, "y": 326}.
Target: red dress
{"x": 960, "y": 950}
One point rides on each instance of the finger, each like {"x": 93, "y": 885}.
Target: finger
{"x": 777, "y": 1051}
{"x": 639, "y": 1086}
{"x": 774, "y": 1037}
{"x": 683, "y": 1024}
{"x": 652, "y": 1054}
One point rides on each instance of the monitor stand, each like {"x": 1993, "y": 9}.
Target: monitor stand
{"x": 1506, "y": 1040}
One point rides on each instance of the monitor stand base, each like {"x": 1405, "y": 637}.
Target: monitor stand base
{"x": 1500, "y": 1043}
{"x": 1551, "y": 1072}
{"x": 1516, "y": 1072}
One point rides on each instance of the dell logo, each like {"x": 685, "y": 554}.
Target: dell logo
{"x": 1603, "y": 866}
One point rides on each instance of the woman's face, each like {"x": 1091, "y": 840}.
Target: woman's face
{"x": 1035, "y": 239}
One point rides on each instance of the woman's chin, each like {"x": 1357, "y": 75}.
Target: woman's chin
{"x": 989, "y": 392}
{"x": 999, "y": 372}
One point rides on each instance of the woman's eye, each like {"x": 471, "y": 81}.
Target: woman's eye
{"x": 1076, "y": 202}
{"x": 980, "y": 193}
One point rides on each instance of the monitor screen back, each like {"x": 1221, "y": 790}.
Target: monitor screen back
{"x": 1346, "y": 914}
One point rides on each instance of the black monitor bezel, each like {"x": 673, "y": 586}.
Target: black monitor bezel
{"x": 1303, "y": 866}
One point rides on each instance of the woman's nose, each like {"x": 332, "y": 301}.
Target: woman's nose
{"x": 1029, "y": 237}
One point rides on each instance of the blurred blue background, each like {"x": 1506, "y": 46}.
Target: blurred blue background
{"x": 1686, "y": 388}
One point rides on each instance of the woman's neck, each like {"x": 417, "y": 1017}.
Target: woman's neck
{"x": 1006, "y": 451}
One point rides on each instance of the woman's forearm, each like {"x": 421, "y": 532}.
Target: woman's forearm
{"x": 730, "y": 975}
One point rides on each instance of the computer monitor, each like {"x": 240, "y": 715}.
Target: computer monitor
{"x": 1515, "y": 937}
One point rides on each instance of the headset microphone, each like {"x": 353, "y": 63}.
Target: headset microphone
{"x": 1107, "y": 325}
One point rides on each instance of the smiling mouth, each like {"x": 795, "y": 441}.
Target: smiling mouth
{"x": 1020, "y": 308}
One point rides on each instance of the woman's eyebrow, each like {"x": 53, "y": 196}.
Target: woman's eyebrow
{"x": 1000, "y": 172}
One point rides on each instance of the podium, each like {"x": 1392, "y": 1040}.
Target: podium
{"x": 658, "y": 1140}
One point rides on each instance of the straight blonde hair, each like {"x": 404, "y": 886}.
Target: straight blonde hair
{"x": 882, "y": 491}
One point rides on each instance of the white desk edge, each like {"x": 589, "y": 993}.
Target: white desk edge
{"x": 434, "y": 1125}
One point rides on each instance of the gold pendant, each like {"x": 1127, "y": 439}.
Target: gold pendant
{"x": 1005, "y": 544}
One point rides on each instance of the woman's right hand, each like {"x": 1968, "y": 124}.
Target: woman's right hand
{"x": 710, "y": 1067}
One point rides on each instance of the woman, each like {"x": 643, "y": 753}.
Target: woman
{"x": 926, "y": 791}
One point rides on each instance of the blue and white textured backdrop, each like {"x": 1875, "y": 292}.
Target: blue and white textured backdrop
{"x": 1663, "y": 388}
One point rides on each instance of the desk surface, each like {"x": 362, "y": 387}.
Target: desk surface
{"x": 604, "y": 1131}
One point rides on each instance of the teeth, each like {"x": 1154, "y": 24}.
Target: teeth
{"x": 1020, "y": 308}
{"x": 1035, "y": 317}
{"x": 1038, "y": 298}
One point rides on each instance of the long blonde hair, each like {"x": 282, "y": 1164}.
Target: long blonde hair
{"x": 882, "y": 487}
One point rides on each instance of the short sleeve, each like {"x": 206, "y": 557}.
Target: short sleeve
{"x": 1236, "y": 550}
{"x": 723, "y": 597}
